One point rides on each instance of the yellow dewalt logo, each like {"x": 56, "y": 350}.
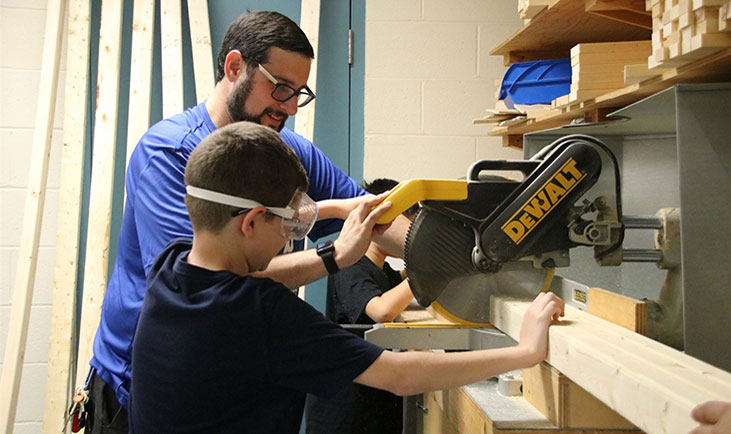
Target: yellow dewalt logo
{"x": 543, "y": 201}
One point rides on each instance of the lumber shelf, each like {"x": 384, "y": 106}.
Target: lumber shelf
{"x": 714, "y": 68}
{"x": 650, "y": 384}
{"x": 560, "y": 26}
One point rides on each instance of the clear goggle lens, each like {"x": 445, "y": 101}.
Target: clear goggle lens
{"x": 298, "y": 217}
{"x": 305, "y": 215}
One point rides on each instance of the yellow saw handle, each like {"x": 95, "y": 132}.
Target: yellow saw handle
{"x": 412, "y": 191}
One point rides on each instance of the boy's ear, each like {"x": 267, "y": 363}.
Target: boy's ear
{"x": 250, "y": 220}
{"x": 234, "y": 65}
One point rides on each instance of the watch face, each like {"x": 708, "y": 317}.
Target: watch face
{"x": 324, "y": 246}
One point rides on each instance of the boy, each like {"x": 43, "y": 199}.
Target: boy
{"x": 218, "y": 350}
{"x": 367, "y": 292}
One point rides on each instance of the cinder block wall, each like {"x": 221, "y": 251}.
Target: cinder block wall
{"x": 22, "y": 26}
{"x": 428, "y": 75}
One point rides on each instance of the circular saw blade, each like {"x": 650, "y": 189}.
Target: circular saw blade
{"x": 468, "y": 298}
{"x": 438, "y": 256}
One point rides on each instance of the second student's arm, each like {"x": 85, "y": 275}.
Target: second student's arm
{"x": 414, "y": 372}
{"x": 390, "y": 304}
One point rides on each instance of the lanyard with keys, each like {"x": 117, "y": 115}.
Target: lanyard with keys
{"x": 77, "y": 412}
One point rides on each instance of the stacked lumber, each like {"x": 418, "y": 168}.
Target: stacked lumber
{"x": 598, "y": 68}
{"x": 687, "y": 30}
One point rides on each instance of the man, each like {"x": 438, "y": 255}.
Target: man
{"x": 262, "y": 72}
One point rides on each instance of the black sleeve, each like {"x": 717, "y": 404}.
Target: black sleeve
{"x": 355, "y": 287}
{"x": 394, "y": 277}
{"x": 309, "y": 353}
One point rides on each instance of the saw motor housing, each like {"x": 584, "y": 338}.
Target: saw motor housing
{"x": 504, "y": 220}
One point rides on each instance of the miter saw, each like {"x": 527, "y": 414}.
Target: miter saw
{"x": 491, "y": 235}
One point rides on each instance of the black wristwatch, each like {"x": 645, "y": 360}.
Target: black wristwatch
{"x": 326, "y": 250}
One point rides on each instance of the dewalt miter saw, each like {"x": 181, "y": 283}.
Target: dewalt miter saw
{"x": 471, "y": 237}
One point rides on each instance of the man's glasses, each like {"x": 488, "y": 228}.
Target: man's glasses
{"x": 282, "y": 92}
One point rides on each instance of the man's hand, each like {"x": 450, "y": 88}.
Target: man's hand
{"x": 358, "y": 230}
{"x": 714, "y": 417}
{"x": 546, "y": 308}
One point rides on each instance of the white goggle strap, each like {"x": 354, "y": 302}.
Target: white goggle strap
{"x": 225, "y": 199}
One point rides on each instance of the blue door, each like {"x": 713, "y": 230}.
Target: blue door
{"x": 340, "y": 77}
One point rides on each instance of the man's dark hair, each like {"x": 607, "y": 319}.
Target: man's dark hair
{"x": 253, "y": 33}
{"x": 245, "y": 160}
{"x": 382, "y": 185}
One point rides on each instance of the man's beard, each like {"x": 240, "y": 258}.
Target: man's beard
{"x": 236, "y": 104}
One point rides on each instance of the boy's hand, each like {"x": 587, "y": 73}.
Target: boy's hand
{"x": 546, "y": 308}
{"x": 358, "y": 230}
{"x": 714, "y": 417}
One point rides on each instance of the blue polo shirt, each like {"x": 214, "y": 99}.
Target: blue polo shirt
{"x": 155, "y": 213}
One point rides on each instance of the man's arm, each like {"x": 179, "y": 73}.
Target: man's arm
{"x": 300, "y": 268}
{"x": 390, "y": 304}
{"x": 394, "y": 238}
{"x": 410, "y": 373}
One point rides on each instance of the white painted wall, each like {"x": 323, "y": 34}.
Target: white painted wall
{"x": 22, "y": 26}
{"x": 428, "y": 75}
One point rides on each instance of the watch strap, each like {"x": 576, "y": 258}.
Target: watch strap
{"x": 326, "y": 251}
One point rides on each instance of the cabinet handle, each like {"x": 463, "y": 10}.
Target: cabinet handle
{"x": 422, "y": 408}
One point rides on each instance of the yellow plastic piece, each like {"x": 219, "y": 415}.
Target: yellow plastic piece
{"x": 410, "y": 192}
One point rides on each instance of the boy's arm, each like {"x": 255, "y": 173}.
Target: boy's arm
{"x": 390, "y": 304}
{"x": 410, "y": 373}
{"x": 300, "y": 268}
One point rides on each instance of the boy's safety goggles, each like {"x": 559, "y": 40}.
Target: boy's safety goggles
{"x": 298, "y": 217}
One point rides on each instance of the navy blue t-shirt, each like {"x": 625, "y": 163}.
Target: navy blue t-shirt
{"x": 219, "y": 352}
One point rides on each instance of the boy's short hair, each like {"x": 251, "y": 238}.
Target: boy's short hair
{"x": 253, "y": 33}
{"x": 246, "y": 160}
{"x": 382, "y": 185}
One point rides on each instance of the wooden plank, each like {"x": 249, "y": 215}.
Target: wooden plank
{"x": 577, "y": 26}
{"x": 616, "y": 308}
{"x": 530, "y": 55}
{"x": 650, "y": 384}
{"x": 32, "y": 216}
{"x": 435, "y": 420}
{"x": 566, "y": 404}
{"x": 638, "y": 19}
{"x": 304, "y": 122}
{"x": 63, "y": 310}
{"x": 172, "y": 57}
{"x": 639, "y": 72}
{"x": 140, "y": 74}
{"x": 514, "y": 141}
{"x": 606, "y": 48}
{"x": 102, "y": 181}
{"x": 200, "y": 41}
